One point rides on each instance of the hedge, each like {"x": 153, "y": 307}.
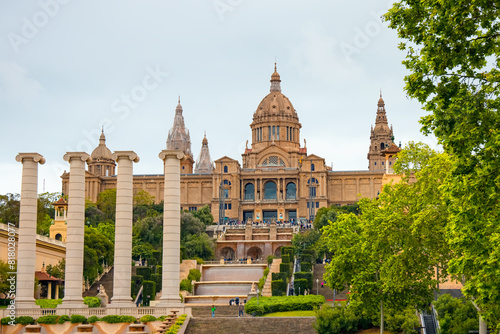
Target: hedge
{"x": 147, "y": 318}
{"x": 48, "y": 303}
{"x": 194, "y": 275}
{"x": 76, "y": 319}
{"x": 306, "y": 267}
{"x": 300, "y": 285}
{"x": 285, "y": 268}
{"x": 278, "y": 287}
{"x": 148, "y": 290}
{"x": 145, "y": 272}
{"x": 285, "y": 258}
{"x": 306, "y": 258}
{"x": 48, "y": 319}
{"x": 283, "y": 304}
{"x": 307, "y": 276}
{"x": 92, "y": 302}
{"x": 24, "y": 320}
{"x": 277, "y": 276}
{"x": 114, "y": 319}
{"x": 136, "y": 285}
{"x": 186, "y": 285}
{"x": 287, "y": 250}
{"x": 93, "y": 319}
{"x": 157, "y": 279}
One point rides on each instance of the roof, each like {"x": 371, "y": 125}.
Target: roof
{"x": 392, "y": 149}
{"x": 44, "y": 277}
{"x": 60, "y": 201}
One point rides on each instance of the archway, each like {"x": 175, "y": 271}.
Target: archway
{"x": 227, "y": 253}
{"x": 254, "y": 253}
{"x": 58, "y": 236}
{"x": 270, "y": 190}
{"x": 277, "y": 252}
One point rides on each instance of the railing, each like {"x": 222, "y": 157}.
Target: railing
{"x": 39, "y": 237}
{"x": 87, "y": 312}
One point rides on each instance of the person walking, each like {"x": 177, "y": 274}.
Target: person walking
{"x": 241, "y": 308}
{"x": 213, "y": 310}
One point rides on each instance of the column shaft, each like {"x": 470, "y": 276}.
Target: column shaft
{"x": 26, "y": 251}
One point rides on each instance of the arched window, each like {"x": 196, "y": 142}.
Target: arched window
{"x": 58, "y": 236}
{"x": 270, "y": 190}
{"x": 382, "y": 146}
{"x": 225, "y": 169}
{"x": 312, "y": 190}
{"x": 312, "y": 167}
{"x": 291, "y": 191}
{"x": 249, "y": 191}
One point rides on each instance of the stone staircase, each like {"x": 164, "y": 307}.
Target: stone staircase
{"x": 107, "y": 283}
{"x": 319, "y": 270}
{"x": 221, "y": 311}
{"x": 250, "y": 325}
{"x": 275, "y": 268}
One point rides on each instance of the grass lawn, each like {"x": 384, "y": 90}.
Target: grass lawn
{"x": 292, "y": 314}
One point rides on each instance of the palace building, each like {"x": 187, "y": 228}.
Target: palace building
{"x": 277, "y": 178}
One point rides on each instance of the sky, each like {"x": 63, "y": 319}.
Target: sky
{"x": 69, "y": 68}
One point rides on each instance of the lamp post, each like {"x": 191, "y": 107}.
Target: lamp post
{"x": 317, "y": 282}
{"x": 257, "y": 295}
{"x": 334, "y": 297}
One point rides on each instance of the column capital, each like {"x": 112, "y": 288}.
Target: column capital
{"x": 36, "y": 157}
{"x": 171, "y": 154}
{"x": 131, "y": 155}
{"x": 77, "y": 155}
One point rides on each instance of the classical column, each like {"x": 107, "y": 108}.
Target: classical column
{"x": 75, "y": 230}
{"x": 171, "y": 228}
{"x": 123, "y": 226}
{"x": 26, "y": 251}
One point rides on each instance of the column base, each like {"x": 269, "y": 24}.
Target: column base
{"x": 72, "y": 303}
{"x": 121, "y": 303}
{"x": 170, "y": 302}
{"x": 26, "y": 304}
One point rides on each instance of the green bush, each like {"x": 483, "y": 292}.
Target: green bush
{"x": 307, "y": 276}
{"x": 136, "y": 285}
{"x": 147, "y": 318}
{"x": 114, "y": 319}
{"x": 24, "y": 320}
{"x": 186, "y": 285}
{"x": 262, "y": 282}
{"x": 287, "y": 250}
{"x": 76, "y": 319}
{"x": 48, "y": 319}
{"x": 270, "y": 259}
{"x": 283, "y": 304}
{"x": 402, "y": 322}
{"x": 335, "y": 320}
{"x": 305, "y": 266}
{"x": 63, "y": 318}
{"x": 157, "y": 279}
{"x": 177, "y": 325}
{"x": 277, "y": 276}
{"x": 48, "y": 303}
{"x": 456, "y": 315}
{"x": 156, "y": 254}
{"x": 194, "y": 275}
{"x": 285, "y": 268}
{"x": 93, "y": 319}
{"x": 285, "y": 258}
{"x": 148, "y": 290}
{"x": 92, "y": 302}
{"x": 145, "y": 272}
{"x": 278, "y": 287}
{"x": 300, "y": 285}
{"x": 306, "y": 258}
{"x": 266, "y": 272}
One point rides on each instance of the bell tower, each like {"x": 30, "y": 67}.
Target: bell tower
{"x": 381, "y": 137}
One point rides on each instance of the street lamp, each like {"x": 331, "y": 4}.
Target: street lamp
{"x": 257, "y": 295}
{"x": 334, "y": 297}
{"x": 317, "y": 281}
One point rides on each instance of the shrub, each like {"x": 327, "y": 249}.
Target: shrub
{"x": 402, "y": 322}
{"x": 456, "y": 315}
{"x": 307, "y": 276}
{"x": 48, "y": 319}
{"x": 270, "y": 259}
{"x": 92, "y": 302}
{"x": 148, "y": 290}
{"x": 199, "y": 261}
{"x": 157, "y": 279}
{"x": 145, "y": 272}
{"x": 76, "y": 319}
{"x": 306, "y": 266}
{"x": 114, "y": 319}
{"x": 335, "y": 320}
{"x": 262, "y": 282}
{"x": 300, "y": 285}
{"x": 24, "y": 320}
{"x": 266, "y": 272}
{"x": 285, "y": 268}
{"x": 63, "y": 318}
{"x": 278, "y": 287}
{"x": 194, "y": 275}
{"x": 277, "y": 276}
{"x": 285, "y": 258}
{"x": 48, "y": 303}
{"x": 306, "y": 258}
{"x": 136, "y": 285}
{"x": 147, "y": 318}
{"x": 287, "y": 250}
{"x": 93, "y": 319}
{"x": 283, "y": 304}
{"x": 186, "y": 285}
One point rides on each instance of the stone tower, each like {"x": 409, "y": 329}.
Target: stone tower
{"x": 179, "y": 139}
{"x": 204, "y": 163}
{"x": 381, "y": 137}
{"x": 102, "y": 161}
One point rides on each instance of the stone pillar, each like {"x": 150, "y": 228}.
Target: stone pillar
{"x": 171, "y": 228}
{"x": 26, "y": 251}
{"x": 123, "y": 226}
{"x": 49, "y": 290}
{"x": 75, "y": 230}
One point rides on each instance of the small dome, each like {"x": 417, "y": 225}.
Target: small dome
{"x": 381, "y": 102}
{"x": 275, "y": 103}
{"x": 101, "y": 151}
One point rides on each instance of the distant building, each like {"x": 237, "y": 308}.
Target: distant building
{"x": 277, "y": 180}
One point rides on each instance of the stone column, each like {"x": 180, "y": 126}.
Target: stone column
{"x": 123, "y": 226}
{"x": 75, "y": 230}
{"x": 171, "y": 228}
{"x": 26, "y": 251}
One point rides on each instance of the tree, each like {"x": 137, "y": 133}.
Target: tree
{"x": 148, "y": 230}
{"x": 106, "y": 202}
{"x": 58, "y": 270}
{"x": 98, "y": 250}
{"x": 388, "y": 253}
{"x": 190, "y": 225}
{"x": 9, "y": 208}
{"x": 204, "y": 215}
{"x": 453, "y": 58}
{"x": 4, "y": 275}
{"x": 199, "y": 246}
{"x": 142, "y": 197}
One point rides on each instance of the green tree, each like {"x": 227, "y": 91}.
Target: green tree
{"x": 453, "y": 58}
{"x": 190, "y": 225}
{"x": 199, "y": 246}
{"x": 4, "y": 275}
{"x": 204, "y": 214}
{"x": 142, "y": 197}
{"x": 9, "y": 208}
{"x": 106, "y": 202}
{"x": 57, "y": 270}
{"x": 98, "y": 250}
{"x": 149, "y": 230}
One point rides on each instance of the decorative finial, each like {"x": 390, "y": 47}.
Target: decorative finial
{"x": 179, "y": 98}
{"x": 102, "y": 129}
{"x": 380, "y": 92}
{"x": 205, "y": 134}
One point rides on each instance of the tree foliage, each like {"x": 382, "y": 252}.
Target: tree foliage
{"x": 453, "y": 58}
{"x": 204, "y": 214}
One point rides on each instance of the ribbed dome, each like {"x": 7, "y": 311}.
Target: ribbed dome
{"x": 275, "y": 103}
{"x": 101, "y": 151}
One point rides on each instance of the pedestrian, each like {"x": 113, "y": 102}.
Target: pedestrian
{"x": 322, "y": 283}
{"x": 240, "y": 310}
{"x": 213, "y": 310}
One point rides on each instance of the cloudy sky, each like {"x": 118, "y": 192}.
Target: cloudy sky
{"x": 68, "y": 68}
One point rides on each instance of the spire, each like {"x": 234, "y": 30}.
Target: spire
{"x": 275, "y": 80}
{"x": 178, "y": 136}
{"x": 204, "y": 163}
{"x": 102, "y": 138}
